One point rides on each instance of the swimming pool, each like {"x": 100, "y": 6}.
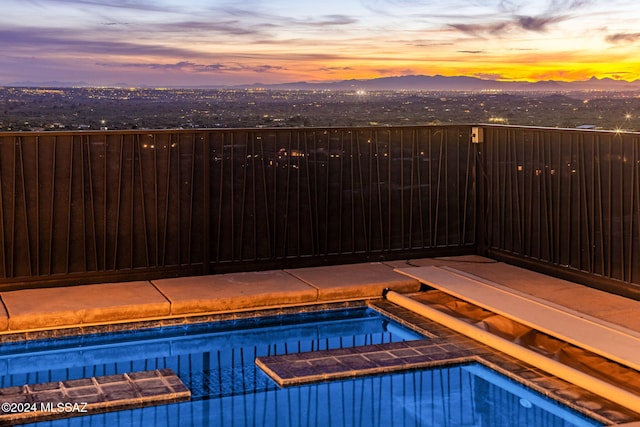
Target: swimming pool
{"x": 216, "y": 361}
{"x": 212, "y": 359}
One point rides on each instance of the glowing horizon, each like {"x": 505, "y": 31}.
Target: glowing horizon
{"x": 166, "y": 42}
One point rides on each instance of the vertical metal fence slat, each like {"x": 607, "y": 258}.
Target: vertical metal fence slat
{"x": 243, "y": 193}
{"x": 220, "y": 197}
{"x": 352, "y": 192}
{"x": 12, "y": 240}
{"x": 206, "y": 211}
{"x": 83, "y": 204}
{"x": 3, "y": 238}
{"x": 287, "y": 198}
{"x": 430, "y": 222}
{"x": 143, "y": 202}
{"x": 105, "y": 197}
{"x": 622, "y": 257}
{"x": 598, "y": 202}
{"x": 413, "y": 188}
{"x": 419, "y": 178}
{"x": 268, "y": 228}
{"x": 118, "y": 195}
{"x": 466, "y": 173}
{"x": 629, "y": 261}
{"x": 609, "y": 205}
{"x": 178, "y": 196}
{"x": 592, "y": 204}
{"x": 69, "y": 210}
{"x": 636, "y": 195}
{"x": 549, "y": 175}
{"x": 389, "y": 180}
{"x": 275, "y": 195}
{"x": 311, "y": 189}
{"x": 585, "y": 215}
{"x": 23, "y": 191}
{"x": 445, "y": 154}
{"x": 402, "y": 191}
{"x": 298, "y": 213}
{"x": 375, "y": 140}
{"x": 232, "y": 195}
{"x": 36, "y": 171}
{"x": 170, "y": 174}
{"x": 436, "y": 219}
{"x": 132, "y": 202}
{"x": 254, "y": 202}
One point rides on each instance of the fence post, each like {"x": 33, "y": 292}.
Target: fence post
{"x": 480, "y": 182}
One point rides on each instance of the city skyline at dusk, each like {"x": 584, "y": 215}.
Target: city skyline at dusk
{"x": 173, "y": 43}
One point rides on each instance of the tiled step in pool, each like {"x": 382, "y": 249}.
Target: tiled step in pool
{"x": 61, "y": 399}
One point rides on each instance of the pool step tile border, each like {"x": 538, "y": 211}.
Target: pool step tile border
{"x": 86, "y": 396}
{"x": 303, "y": 368}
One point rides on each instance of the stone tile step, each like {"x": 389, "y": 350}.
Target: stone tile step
{"x": 47, "y": 401}
{"x": 303, "y": 368}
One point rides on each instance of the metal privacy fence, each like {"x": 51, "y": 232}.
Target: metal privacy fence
{"x": 79, "y": 207}
{"x": 566, "y": 202}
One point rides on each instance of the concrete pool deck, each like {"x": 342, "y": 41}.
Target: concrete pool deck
{"x": 74, "y": 306}
{"x": 103, "y": 304}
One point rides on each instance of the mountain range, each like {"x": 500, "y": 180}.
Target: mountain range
{"x": 410, "y": 82}
{"x": 461, "y": 83}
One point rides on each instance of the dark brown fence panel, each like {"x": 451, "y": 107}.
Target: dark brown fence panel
{"x": 295, "y": 194}
{"x": 79, "y": 207}
{"x": 566, "y": 201}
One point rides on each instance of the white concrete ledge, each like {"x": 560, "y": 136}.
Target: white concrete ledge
{"x": 600, "y": 338}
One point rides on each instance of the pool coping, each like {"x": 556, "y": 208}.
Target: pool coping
{"x": 178, "y": 299}
{"x": 174, "y": 321}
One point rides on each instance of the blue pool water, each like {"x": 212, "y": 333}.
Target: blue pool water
{"x": 216, "y": 362}
{"x": 212, "y": 359}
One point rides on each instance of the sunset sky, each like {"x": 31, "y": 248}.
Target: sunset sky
{"x": 199, "y": 42}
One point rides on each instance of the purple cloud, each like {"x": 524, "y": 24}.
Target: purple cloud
{"x": 193, "y": 67}
{"x": 623, "y": 38}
